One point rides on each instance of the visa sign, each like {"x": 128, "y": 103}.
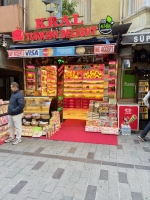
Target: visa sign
{"x": 31, "y": 53}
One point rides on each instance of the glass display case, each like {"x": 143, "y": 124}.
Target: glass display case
{"x": 4, "y": 129}
{"x": 143, "y": 88}
{"x": 48, "y": 80}
{"x": 39, "y": 105}
{"x": 30, "y": 77}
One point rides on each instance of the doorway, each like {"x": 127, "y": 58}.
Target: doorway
{"x": 6, "y": 78}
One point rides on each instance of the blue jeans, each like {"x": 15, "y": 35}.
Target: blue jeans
{"x": 146, "y": 130}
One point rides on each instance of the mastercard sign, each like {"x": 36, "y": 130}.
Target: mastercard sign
{"x": 47, "y": 52}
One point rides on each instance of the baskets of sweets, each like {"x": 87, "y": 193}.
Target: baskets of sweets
{"x": 28, "y": 116}
{"x": 34, "y": 123}
{"x": 26, "y": 123}
{"x": 45, "y": 116}
{"x": 43, "y": 124}
{"x": 36, "y": 116}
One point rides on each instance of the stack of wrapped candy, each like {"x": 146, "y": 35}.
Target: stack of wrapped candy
{"x": 102, "y": 117}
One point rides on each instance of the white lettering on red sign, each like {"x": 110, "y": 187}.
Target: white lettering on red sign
{"x": 104, "y": 49}
{"x": 17, "y": 53}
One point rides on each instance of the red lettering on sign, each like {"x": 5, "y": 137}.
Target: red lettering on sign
{"x": 93, "y": 30}
{"x": 43, "y": 23}
{"x": 82, "y": 32}
{"x": 31, "y": 37}
{"x": 40, "y": 23}
{"x": 65, "y": 21}
{"x": 52, "y": 22}
{"x": 27, "y": 35}
{"x": 18, "y": 53}
{"x": 104, "y": 49}
{"x": 88, "y": 32}
{"x": 75, "y": 17}
{"x": 62, "y": 34}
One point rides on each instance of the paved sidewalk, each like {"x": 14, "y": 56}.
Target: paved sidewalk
{"x": 55, "y": 170}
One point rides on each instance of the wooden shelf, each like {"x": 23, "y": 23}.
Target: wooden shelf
{"x": 31, "y": 112}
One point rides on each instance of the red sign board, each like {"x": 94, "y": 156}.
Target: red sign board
{"x": 52, "y": 22}
{"x": 17, "y": 53}
{"x": 128, "y": 115}
{"x": 104, "y": 49}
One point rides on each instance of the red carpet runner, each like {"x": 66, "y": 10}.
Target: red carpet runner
{"x": 72, "y": 130}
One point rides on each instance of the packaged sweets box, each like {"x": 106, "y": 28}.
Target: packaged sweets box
{"x": 3, "y": 120}
{"x": 103, "y": 130}
{"x": 109, "y": 130}
{"x": 92, "y": 129}
{"x": 4, "y": 135}
{"x": 109, "y": 123}
{"x": 100, "y": 123}
{"x": 93, "y": 122}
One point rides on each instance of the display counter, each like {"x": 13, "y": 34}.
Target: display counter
{"x": 36, "y": 118}
{"x": 4, "y": 129}
{"x": 102, "y": 117}
{"x": 36, "y": 104}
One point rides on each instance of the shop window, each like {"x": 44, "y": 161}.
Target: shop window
{"x": 9, "y": 2}
{"x": 136, "y": 5}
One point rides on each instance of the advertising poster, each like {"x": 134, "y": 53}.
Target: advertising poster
{"x": 128, "y": 115}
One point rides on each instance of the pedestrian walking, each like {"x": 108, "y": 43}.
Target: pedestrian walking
{"x": 144, "y": 133}
{"x": 15, "y": 112}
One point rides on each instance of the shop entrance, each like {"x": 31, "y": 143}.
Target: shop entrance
{"x": 82, "y": 83}
{"x": 6, "y": 78}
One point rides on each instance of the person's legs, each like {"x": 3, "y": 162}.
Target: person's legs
{"x": 18, "y": 126}
{"x": 145, "y": 131}
{"x": 11, "y": 129}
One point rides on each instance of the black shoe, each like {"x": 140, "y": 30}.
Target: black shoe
{"x": 142, "y": 139}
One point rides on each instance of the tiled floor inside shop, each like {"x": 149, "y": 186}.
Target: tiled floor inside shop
{"x": 46, "y": 170}
{"x": 74, "y": 113}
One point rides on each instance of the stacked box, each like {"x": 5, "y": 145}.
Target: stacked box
{"x": 102, "y": 117}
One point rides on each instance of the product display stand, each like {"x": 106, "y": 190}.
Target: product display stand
{"x": 142, "y": 90}
{"x": 36, "y": 119}
{"x": 128, "y": 117}
{"x": 83, "y": 83}
{"x": 102, "y": 117}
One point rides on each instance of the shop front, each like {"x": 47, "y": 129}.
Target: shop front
{"x": 68, "y": 80}
{"x": 136, "y": 73}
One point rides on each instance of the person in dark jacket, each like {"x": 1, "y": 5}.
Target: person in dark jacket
{"x": 15, "y": 112}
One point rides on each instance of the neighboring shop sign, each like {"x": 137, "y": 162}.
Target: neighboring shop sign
{"x": 136, "y": 38}
{"x": 105, "y": 25}
{"x": 52, "y": 22}
{"x": 104, "y": 49}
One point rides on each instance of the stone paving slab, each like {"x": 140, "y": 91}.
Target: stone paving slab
{"x": 40, "y": 169}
